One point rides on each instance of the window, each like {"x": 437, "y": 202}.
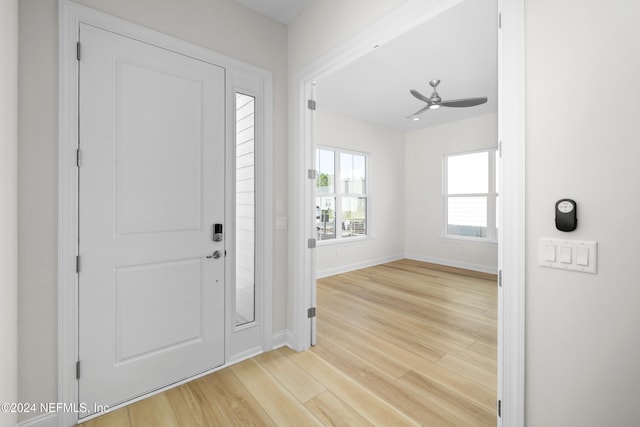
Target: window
{"x": 341, "y": 194}
{"x": 470, "y": 195}
{"x": 245, "y": 209}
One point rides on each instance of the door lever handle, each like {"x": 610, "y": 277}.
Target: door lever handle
{"x": 214, "y": 255}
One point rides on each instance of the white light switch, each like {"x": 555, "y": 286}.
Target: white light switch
{"x": 281, "y": 223}
{"x": 582, "y": 257}
{"x": 565, "y": 254}
{"x": 550, "y": 253}
{"x": 572, "y": 255}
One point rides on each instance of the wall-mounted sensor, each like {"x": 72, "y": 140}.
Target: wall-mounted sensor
{"x": 566, "y": 215}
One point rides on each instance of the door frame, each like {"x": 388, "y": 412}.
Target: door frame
{"x": 511, "y": 251}
{"x": 239, "y": 75}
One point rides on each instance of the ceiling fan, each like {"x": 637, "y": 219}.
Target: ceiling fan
{"x": 434, "y": 101}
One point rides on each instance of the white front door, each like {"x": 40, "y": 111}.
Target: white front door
{"x": 151, "y": 187}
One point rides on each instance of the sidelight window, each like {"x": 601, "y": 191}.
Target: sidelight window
{"x": 245, "y": 209}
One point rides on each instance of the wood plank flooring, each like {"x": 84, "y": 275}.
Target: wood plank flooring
{"x": 400, "y": 344}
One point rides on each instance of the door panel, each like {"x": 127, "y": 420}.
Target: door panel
{"x": 156, "y": 198}
{"x": 151, "y": 185}
{"x": 177, "y": 287}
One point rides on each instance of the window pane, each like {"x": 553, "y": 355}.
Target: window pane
{"x": 468, "y": 173}
{"x": 325, "y": 164}
{"x": 354, "y": 216}
{"x": 497, "y": 171}
{"x": 497, "y": 215}
{"x": 352, "y": 173}
{"x": 467, "y": 216}
{"x": 326, "y": 217}
{"x": 245, "y": 209}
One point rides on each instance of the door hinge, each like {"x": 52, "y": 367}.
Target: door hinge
{"x": 312, "y": 174}
{"x": 499, "y": 20}
{"x": 78, "y": 370}
{"x": 311, "y": 104}
{"x": 311, "y": 312}
{"x": 311, "y": 243}
{"x": 78, "y": 157}
{"x": 500, "y": 148}
{"x": 77, "y": 263}
{"x": 500, "y": 278}
{"x": 500, "y": 408}
{"x": 78, "y": 51}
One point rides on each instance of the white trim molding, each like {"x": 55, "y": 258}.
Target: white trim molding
{"x": 239, "y": 74}
{"x": 511, "y": 246}
{"x": 356, "y": 266}
{"x": 44, "y": 420}
{"x": 453, "y": 263}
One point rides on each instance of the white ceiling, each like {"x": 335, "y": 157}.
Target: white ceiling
{"x": 284, "y": 11}
{"x": 458, "y": 47}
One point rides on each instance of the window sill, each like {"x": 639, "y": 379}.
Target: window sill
{"x": 470, "y": 240}
{"x": 343, "y": 241}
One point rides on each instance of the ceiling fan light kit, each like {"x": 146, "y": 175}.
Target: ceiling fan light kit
{"x": 434, "y": 101}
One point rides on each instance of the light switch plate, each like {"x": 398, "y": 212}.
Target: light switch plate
{"x": 572, "y": 255}
{"x": 281, "y": 223}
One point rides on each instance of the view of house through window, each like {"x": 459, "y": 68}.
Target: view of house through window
{"x": 341, "y": 194}
{"x": 470, "y": 195}
{"x": 245, "y": 209}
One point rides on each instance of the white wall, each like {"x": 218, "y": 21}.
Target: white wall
{"x": 37, "y": 202}
{"x": 8, "y": 207}
{"x": 583, "y": 142}
{"x": 223, "y": 26}
{"x": 325, "y": 24}
{"x": 384, "y": 147}
{"x": 424, "y": 213}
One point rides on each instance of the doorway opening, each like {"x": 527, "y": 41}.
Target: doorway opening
{"x": 511, "y": 148}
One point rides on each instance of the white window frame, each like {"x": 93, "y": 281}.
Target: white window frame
{"x": 338, "y": 194}
{"x": 491, "y": 195}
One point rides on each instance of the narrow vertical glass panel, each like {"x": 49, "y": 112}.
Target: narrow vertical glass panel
{"x": 497, "y": 171}
{"x": 325, "y": 165}
{"x": 352, "y": 173}
{"x": 245, "y": 209}
{"x": 467, "y": 216}
{"x": 326, "y": 217}
{"x": 468, "y": 173}
{"x": 354, "y": 216}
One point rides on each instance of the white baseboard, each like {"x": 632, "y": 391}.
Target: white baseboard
{"x": 237, "y": 358}
{"x": 357, "y": 266}
{"x": 452, "y": 263}
{"x": 44, "y": 420}
{"x": 281, "y": 339}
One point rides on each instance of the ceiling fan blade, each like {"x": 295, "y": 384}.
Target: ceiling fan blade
{"x": 467, "y": 102}
{"x": 420, "y": 96}
{"x": 420, "y": 111}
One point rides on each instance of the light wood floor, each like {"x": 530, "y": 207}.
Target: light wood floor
{"x": 398, "y": 344}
